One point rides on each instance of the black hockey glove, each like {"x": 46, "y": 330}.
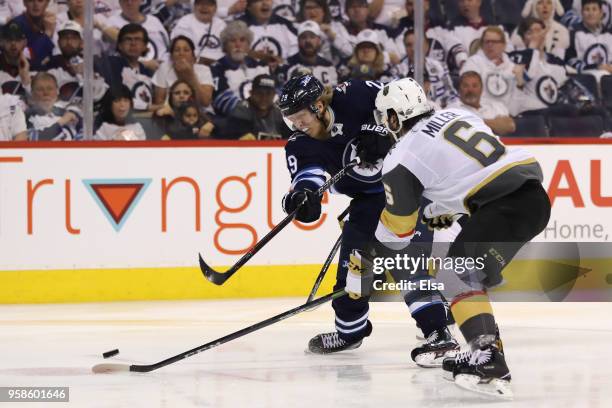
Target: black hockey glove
{"x": 310, "y": 211}
{"x": 439, "y": 222}
{"x": 374, "y": 143}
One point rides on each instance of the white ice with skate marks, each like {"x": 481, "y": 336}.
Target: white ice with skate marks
{"x": 557, "y": 353}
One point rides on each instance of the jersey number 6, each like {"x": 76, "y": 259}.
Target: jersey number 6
{"x": 480, "y": 146}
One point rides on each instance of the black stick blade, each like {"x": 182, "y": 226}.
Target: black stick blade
{"x": 213, "y": 276}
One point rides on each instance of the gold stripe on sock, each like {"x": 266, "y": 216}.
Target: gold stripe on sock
{"x": 469, "y": 306}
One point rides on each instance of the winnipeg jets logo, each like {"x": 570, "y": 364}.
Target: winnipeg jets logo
{"x": 596, "y": 54}
{"x": 337, "y": 129}
{"x": 547, "y": 90}
{"x": 497, "y": 85}
{"x": 369, "y": 174}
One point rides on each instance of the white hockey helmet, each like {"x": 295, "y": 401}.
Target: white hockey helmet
{"x": 406, "y": 98}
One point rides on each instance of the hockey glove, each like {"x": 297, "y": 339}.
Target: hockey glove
{"x": 360, "y": 275}
{"x": 439, "y": 222}
{"x": 374, "y": 143}
{"x": 310, "y": 209}
{"x": 438, "y": 217}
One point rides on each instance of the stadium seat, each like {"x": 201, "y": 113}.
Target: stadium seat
{"x": 589, "y": 82}
{"x": 530, "y": 126}
{"x": 151, "y": 129}
{"x": 582, "y": 126}
{"x": 606, "y": 91}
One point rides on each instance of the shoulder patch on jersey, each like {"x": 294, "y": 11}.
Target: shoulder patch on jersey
{"x": 295, "y": 135}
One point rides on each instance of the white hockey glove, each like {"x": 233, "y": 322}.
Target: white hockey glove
{"x": 360, "y": 276}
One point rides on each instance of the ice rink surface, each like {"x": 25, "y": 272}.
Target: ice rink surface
{"x": 558, "y": 355}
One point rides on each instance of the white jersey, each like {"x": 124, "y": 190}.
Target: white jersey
{"x": 488, "y": 110}
{"x": 10, "y": 9}
{"x": 12, "y": 118}
{"x": 499, "y": 82}
{"x": 110, "y": 131}
{"x": 545, "y": 76}
{"x": 205, "y": 36}
{"x": 165, "y": 75}
{"x": 453, "y": 159}
{"x": 70, "y": 87}
{"x": 470, "y": 38}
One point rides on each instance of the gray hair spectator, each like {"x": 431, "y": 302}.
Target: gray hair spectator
{"x": 47, "y": 121}
{"x": 233, "y": 73}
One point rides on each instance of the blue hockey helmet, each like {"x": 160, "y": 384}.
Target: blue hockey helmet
{"x": 300, "y": 93}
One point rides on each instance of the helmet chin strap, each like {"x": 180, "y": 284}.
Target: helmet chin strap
{"x": 396, "y": 134}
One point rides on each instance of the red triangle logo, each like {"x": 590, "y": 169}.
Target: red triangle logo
{"x": 117, "y": 198}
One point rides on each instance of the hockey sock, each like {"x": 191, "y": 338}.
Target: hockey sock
{"x": 474, "y": 316}
{"x": 429, "y": 316}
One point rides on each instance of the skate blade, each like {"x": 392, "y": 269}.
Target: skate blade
{"x": 434, "y": 359}
{"x": 494, "y": 388}
{"x": 322, "y": 353}
{"x": 448, "y": 376}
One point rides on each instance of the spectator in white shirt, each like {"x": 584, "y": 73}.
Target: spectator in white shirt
{"x": 182, "y": 65}
{"x": 500, "y": 76}
{"x": 205, "y": 28}
{"x": 494, "y": 114}
{"x": 116, "y": 121}
{"x": 12, "y": 119}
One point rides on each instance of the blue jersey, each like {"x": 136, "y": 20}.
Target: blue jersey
{"x": 308, "y": 159}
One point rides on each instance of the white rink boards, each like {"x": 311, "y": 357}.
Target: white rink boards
{"x": 558, "y": 356}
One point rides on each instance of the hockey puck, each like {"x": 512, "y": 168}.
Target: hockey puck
{"x": 111, "y": 353}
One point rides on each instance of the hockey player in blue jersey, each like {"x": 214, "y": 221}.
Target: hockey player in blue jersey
{"x": 332, "y": 126}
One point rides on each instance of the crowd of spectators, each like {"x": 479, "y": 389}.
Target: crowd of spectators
{"x": 197, "y": 69}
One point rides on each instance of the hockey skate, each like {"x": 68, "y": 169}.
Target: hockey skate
{"x": 327, "y": 343}
{"x": 448, "y": 363}
{"x": 439, "y": 345}
{"x": 484, "y": 372}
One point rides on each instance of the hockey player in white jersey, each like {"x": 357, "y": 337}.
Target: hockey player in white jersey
{"x": 452, "y": 158}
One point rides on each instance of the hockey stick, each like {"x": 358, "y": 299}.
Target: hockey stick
{"x": 329, "y": 259}
{"x": 145, "y": 368}
{"x": 219, "y": 278}
{"x": 324, "y": 269}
